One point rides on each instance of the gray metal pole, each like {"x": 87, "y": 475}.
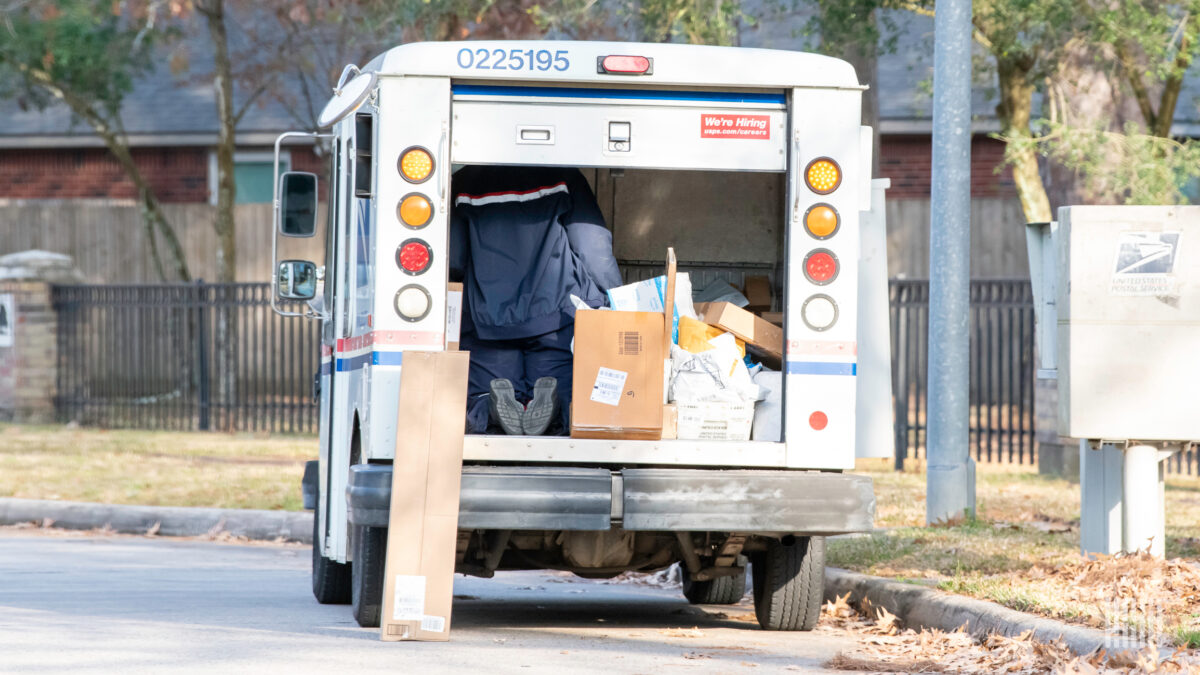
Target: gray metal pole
{"x": 950, "y": 473}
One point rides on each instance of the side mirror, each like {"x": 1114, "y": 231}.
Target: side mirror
{"x": 296, "y": 280}
{"x": 298, "y": 204}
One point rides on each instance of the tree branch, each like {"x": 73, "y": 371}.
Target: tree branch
{"x": 1140, "y": 93}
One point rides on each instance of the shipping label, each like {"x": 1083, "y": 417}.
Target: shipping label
{"x": 735, "y": 126}
{"x": 608, "y": 386}
{"x": 408, "y": 598}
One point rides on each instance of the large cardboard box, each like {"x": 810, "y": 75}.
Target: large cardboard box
{"x": 743, "y": 324}
{"x": 618, "y": 375}
{"x": 423, "y": 526}
{"x": 758, "y": 293}
{"x": 620, "y": 371}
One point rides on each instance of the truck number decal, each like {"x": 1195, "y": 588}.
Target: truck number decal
{"x": 513, "y": 59}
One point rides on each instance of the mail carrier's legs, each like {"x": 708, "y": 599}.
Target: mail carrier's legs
{"x": 490, "y": 360}
{"x": 550, "y": 355}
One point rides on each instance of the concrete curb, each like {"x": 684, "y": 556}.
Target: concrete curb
{"x": 175, "y": 521}
{"x": 921, "y": 607}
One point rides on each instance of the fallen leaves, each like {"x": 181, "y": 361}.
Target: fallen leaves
{"x": 886, "y": 646}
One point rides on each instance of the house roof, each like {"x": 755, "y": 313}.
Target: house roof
{"x": 168, "y": 108}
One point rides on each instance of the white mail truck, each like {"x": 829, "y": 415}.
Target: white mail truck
{"x": 746, "y": 161}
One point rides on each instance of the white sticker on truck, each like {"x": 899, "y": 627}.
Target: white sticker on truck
{"x": 608, "y": 386}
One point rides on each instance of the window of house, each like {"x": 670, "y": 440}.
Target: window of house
{"x": 251, "y": 174}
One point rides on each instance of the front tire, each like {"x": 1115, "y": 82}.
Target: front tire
{"x": 370, "y": 552}
{"x": 720, "y": 591}
{"x": 789, "y": 581}
{"x": 330, "y": 579}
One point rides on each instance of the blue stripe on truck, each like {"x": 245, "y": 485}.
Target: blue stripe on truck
{"x": 627, "y": 94}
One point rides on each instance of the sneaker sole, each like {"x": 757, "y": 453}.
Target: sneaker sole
{"x": 542, "y": 409}
{"x": 507, "y": 409}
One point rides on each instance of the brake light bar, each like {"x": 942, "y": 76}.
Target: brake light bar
{"x": 625, "y": 65}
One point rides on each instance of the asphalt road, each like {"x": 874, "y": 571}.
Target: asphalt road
{"x": 112, "y": 604}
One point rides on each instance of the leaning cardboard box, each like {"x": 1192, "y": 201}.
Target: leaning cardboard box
{"x": 423, "y": 519}
{"x": 619, "y": 370}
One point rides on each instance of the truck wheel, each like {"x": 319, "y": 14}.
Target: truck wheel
{"x": 370, "y": 550}
{"x": 789, "y": 580}
{"x": 719, "y": 591}
{"x": 330, "y": 579}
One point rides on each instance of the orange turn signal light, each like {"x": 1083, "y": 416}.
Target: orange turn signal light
{"x": 823, "y": 175}
{"x": 822, "y": 221}
{"x": 416, "y": 165}
{"x": 415, "y": 210}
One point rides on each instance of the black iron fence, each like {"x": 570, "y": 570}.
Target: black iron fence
{"x": 184, "y": 356}
{"x": 1001, "y": 368}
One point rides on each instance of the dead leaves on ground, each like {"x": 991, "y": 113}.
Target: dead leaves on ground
{"x": 886, "y": 646}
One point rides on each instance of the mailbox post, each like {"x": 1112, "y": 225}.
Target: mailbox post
{"x": 1117, "y": 303}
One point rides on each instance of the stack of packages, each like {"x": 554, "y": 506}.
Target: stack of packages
{"x": 709, "y": 389}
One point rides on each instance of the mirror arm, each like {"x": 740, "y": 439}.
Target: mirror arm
{"x": 276, "y": 215}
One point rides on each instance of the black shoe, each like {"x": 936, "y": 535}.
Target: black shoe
{"x": 543, "y": 409}
{"x": 504, "y": 407}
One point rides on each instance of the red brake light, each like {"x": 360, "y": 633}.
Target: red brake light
{"x": 818, "y": 420}
{"x": 821, "y": 267}
{"x": 414, "y": 256}
{"x": 624, "y": 65}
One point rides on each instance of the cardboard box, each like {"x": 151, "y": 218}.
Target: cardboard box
{"x": 621, "y": 370}
{"x": 670, "y": 427}
{"x": 758, "y": 292}
{"x": 423, "y": 527}
{"x": 454, "y": 307}
{"x": 775, "y": 318}
{"x": 618, "y": 375}
{"x": 743, "y": 324}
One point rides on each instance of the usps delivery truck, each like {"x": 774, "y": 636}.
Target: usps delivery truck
{"x": 746, "y": 161}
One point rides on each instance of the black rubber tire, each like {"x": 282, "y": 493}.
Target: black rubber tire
{"x": 370, "y": 552}
{"x": 330, "y": 579}
{"x": 720, "y": 591}
{"x": 789, "y": 581}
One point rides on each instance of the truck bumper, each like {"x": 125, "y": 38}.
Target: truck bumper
{"x": 671, "y": 500}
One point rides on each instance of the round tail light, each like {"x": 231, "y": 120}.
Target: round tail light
{"x": 823, "y": 175}
{"x": 414, "y": 256}
{"x": 413, "y": 302}
{"x": 821, "y": 266}
{"x": 416, "y": 165}
{"x": 822, "y": 221}
{"x": 819, "y": 312}
{"x": 415, "y": 210}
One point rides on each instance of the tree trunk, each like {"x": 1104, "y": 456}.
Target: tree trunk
{"x": 214, "y": 14}
{"x": 1015, "y": 112}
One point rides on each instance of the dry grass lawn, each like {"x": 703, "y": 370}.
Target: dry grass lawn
{"x": 153, "y": 467}
{"x": 1022, "y": 551}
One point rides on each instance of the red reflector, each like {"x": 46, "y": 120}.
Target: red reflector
{"x": 818, "y": 420}
{"x": 635, "y": 65}
{"x": 414, "y": 256}
{"x": 821, "y": 267}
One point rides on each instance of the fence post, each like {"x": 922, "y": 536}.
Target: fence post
{"x": 202, "y": 393}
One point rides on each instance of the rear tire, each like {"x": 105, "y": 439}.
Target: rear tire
{"x": 330, "y": 579}
{"x": 720, "y": 591}
{"x": 789, "y": 581}
{"x": 370, "y": 552}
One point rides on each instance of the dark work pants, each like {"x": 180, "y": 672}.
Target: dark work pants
{"x": 522, "y": 362}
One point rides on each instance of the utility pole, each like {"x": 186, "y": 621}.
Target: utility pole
{"x": 950, "y": 472}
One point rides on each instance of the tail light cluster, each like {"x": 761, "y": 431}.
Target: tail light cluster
{"x": 414, "y": 256}
{"x": 821, "y": 266}
{"x": 822, "y": 222}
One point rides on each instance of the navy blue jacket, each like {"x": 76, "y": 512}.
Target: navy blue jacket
{"x": 523, "y": 240}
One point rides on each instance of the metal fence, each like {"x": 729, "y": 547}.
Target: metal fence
{"x": 184, "y": 356}
{"x": 1001, "y": 368}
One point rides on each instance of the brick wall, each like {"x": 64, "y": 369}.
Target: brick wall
{"x": 177, "y": 174}
{"x": 907, "y": 161}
